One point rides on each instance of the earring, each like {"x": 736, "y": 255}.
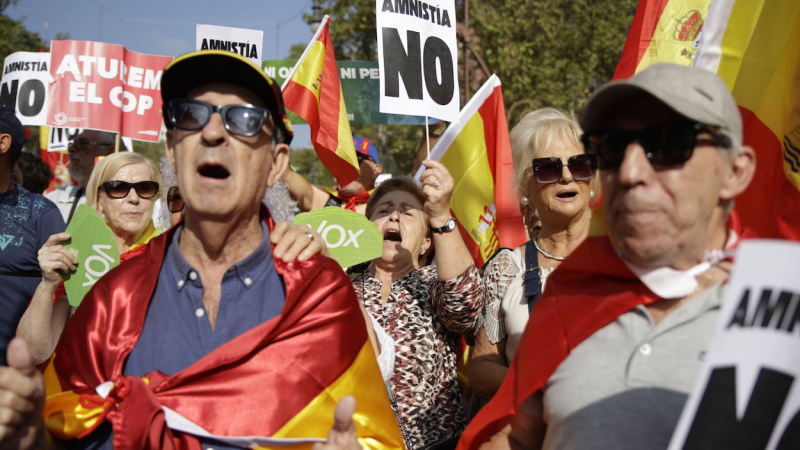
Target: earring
{"x": 591, "y": 193}
{"x": 524, "y": 200}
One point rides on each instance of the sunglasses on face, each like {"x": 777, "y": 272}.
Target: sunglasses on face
{"x": 548, "y": 170}
{"x": 193, "y": 115}
{"x": 668, "y": 144}
{"x": 174, "y": 200}
{"x": 83, "y": 144}
{"x": 120, "y": 189}
{"x": 362, "y": 157}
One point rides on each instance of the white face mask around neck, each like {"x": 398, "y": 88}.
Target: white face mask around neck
{"x": 669, "y": 283}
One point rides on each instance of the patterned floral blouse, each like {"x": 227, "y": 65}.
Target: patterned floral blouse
{"x": 425, "y": 317}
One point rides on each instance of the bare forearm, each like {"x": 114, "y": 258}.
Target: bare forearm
{"x": 452, "y": 256}
{"x": 486, "y": 376}
{"x": 36, "y": 325}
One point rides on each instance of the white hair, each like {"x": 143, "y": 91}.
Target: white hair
{"x": 279, "y": 202}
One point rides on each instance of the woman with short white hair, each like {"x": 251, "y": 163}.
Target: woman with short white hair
{"x": 553, "y": 176}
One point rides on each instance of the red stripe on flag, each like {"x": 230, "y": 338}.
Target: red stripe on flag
{"x": 508, "y": 218}
{"x": 304, "y": 104}
{"x": 771, "y": 204}
{"x": 330, "y": 100}
{"x": 644, "y": 25}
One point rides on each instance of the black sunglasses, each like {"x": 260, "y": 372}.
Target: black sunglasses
{"x": 120, "y": 189}
{"x": 193, "y": 115}
{"x": 174, "y": 200}
{"x": 361, "y": 157}
{"x": 668, "y": 144}
{"x": 548, "y": 170}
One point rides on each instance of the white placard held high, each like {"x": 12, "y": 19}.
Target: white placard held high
{"x": 747, "y": 394}
{"x": 24, "y": 86}
{"x": 244, "y": 42}
{"x": 418, "y": 58}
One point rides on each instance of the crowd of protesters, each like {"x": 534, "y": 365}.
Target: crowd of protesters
{"x": 613, "y": 324}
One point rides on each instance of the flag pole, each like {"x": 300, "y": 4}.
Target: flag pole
{"x": 116, "y": 144}
{"x": 322, "y": 24}
{"x": 428, "y": 137}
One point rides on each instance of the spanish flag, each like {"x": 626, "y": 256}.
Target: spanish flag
{"x": 662, "y": 31}
{"x": 274, "y": 385}
{"x": 313, "y": 92}
{"x": 477, "y": 152}
{"x": 754, "y": 45}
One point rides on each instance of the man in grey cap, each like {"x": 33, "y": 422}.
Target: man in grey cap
{"x": 613, "y": 345}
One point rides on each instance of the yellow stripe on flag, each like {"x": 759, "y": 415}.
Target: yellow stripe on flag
{"x": 757, "y": 87}
{"x": 345, "y": 148}
{"x": 308, "y": 73}
{"x": 376, "y": 424}
{"x": 674, "y": 37}
{"x": 474, "y": 184}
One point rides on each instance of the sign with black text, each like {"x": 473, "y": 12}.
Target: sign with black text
{"x": 244, "y": 42}
{"x": 24, "y": 86}
{"x": 418, "y": 58}
{"x": 747, "y": 394}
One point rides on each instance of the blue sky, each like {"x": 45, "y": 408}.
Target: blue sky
{"x": 167, "y": 27}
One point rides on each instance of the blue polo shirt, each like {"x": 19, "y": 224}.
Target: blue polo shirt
{"x": 177, "y": 332}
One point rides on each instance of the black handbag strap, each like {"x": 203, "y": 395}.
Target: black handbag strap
{"x": 533, "y": 279}
{"x": 78, "y": 195}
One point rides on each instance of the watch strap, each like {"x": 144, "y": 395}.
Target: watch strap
{"x": 450, "y": 225}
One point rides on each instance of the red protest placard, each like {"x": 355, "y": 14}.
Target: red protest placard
{"x": 106, "y": 87}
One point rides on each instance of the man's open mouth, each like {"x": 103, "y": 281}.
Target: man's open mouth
{"x": 213, "y": 171}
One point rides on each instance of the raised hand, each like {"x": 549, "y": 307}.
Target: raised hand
{"x": 296, "y": 242}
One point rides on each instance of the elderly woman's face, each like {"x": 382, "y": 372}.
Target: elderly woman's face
{"x": 128, "y": 215}
{"x": 567, "y": 197}
{"x": 400, "y": 219}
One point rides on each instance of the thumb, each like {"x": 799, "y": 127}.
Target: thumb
{"x": 19, "y": 357}
{"x": 343, "y": 414}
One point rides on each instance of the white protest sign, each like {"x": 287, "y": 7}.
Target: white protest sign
{"x": 59, "y": 138}
{"x": 24, "y": 86}
{"x": 247, "y": 43}
{"x": 747, "y": 394}
{"x": 418, "y": 58}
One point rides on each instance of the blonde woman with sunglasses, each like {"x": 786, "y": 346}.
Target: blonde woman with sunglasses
{"x": 122, "y": 189}
{"x": 553, "y": 176}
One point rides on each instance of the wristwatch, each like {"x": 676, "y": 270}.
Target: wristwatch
{"x": 450, "y": 225}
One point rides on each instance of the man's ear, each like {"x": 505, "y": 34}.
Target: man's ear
{"x": 5, "y": 142}
{"x": 742, "y": 172}
{"x": 280, "y": 162}
{"x": 170, "y": 150}
{"x": 377, "y": 169}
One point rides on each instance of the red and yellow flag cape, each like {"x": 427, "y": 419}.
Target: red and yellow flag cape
{"x": 313, "y": 92}
{"x": 281, "y": 379}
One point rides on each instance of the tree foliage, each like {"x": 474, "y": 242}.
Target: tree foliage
{"x": 14, "y": 37}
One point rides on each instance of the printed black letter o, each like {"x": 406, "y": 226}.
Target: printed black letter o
{"x": 436, "y": 48}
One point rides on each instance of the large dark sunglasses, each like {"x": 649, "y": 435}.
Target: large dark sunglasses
{"x": 668, "y": 144}
{"x": 120, "y": 189}
{"x": 193, "y": 115}
{"x": 174, "y": 200}
{"x": 548, "y": 170}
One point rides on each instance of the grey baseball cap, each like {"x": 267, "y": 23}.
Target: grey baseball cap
{"x": 694, "y": 93}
